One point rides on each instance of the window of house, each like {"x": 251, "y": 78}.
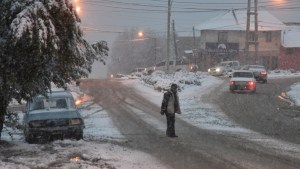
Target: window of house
{"x": 268, "y": 36}
{"x": 222, "y": 36}
{"x": 289, "y": 51}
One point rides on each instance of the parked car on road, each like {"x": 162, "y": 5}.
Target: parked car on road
{"x": 259, "y": 71}
{"x": 242, "y": 81}
{"x": 224, "y": 67}
{"x": 53, "y": 117}
{"x": 138, "y": 70}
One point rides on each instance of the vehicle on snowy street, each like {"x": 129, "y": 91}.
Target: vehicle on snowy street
{"x": 224, "y": 67}
{"x": 53, "y": 117}
{"x": 259, "y": 71}
{"x": 242, "y": 81}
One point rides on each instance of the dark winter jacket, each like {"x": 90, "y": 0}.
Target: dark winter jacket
{"x": 170, "y": 103}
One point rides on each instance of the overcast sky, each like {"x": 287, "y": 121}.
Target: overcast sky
{"x": 109, "y": 17}
{"x": 104, "y": 19}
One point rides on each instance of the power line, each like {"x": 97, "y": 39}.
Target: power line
{"x": 178, "y": 7}
{"x": 162, "y": 8}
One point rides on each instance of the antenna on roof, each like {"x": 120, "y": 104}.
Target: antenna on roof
{"x": 233, "y": 13}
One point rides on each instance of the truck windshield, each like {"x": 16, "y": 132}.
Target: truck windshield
{"x": 223, "y": 64}
{"x": 41, "y": 103}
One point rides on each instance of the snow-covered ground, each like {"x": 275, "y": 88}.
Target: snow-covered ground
{"x": 98, "y": 148}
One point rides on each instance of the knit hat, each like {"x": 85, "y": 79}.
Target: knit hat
{"x": 173, "y": 85}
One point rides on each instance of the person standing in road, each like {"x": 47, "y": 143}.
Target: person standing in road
{"x": 170, "y": 106}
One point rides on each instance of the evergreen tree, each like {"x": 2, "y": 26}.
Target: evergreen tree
{"x": 41, "y": 43}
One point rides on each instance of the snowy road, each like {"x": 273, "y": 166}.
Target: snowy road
{"x": 139, "y": 121}
{"x": 263, "y": 111}
{"x": 125, "y": 130}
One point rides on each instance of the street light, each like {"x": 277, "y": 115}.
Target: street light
{"x": 142, "y": 35}
{"x": 77, "y": 9}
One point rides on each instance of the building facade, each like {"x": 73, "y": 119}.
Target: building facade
{"x": 290, "y": 49}
{"x": 290, "y": 58}
{"x": 226, "y": 45}
{"x": 224, "y": 38}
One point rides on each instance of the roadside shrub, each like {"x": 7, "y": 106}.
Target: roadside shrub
{"x": 12, "y": 124}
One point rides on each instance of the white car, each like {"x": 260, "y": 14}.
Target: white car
{"x": 224, "y": 67}
{"x": 242, "y": 81}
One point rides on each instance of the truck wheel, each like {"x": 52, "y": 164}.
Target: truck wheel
{"x": 79, "y": 136}
{"x": 29, "y": 139}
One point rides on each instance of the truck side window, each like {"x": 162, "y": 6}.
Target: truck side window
{"x": 39, "y": 105}
{"x": 61, "y": 103}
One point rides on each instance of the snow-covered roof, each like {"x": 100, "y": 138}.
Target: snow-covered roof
{"x": 291, "y": 37}
{"x": 237, "y": 20}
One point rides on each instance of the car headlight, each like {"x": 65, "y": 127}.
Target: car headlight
{"x": 35, "y": 124}
{"x": 77, "y": 102}
{"x": 75, "y": 122}
{"x": 218, "y": 69}
{"x": 208, "y": 70}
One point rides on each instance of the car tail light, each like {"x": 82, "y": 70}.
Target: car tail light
{"x": 263, "y": 73}
{"x": 251, "y": 83}
{"x": 232, "y": 83}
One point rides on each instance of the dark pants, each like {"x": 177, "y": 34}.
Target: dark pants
{"x": 170, "y": 124}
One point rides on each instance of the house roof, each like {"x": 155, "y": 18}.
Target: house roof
{"x": 237, "y": 20}
{"x": 290, "y": 38}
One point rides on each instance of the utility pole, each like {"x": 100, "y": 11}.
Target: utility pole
{"x": 194, "y": 46}
{"x": 250, "y": 41}
{"x": 256, "y": 31}
{"x": 175, "y": 41}
{"x": 194, "y": 38}
{"x": 168, "y": 36}
{"x": 155, "y": 51}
